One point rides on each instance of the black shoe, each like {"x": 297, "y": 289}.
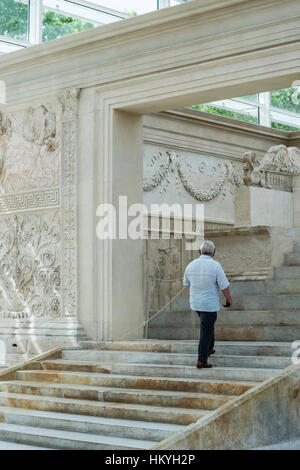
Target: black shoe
{"x": 203, "y": 365}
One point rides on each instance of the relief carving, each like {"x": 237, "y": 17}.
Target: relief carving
{"x": 38, "y": 277}
{"x": 281, "y": 160}
{"x": 29, "y": 150}
{"x": 170, "y": 168}
{"x": 30, "y": 265}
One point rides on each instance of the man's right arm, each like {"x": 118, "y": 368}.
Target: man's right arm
{"x": 224, "y": 285}
{"x": 227, "y": 295}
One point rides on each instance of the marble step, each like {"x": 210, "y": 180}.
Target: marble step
{"x": 296, "y": 246}
{"x": 259, "y": 318}
{"x": 139, "y": 382}
{"x": 230, "y": 317}
{"x": 33, "y": 331}
{"x": 68, "y": 440}
{"x": 266, "y": 302}
{"x": 293, "y": 233}
{"x": 89, "y": 424}
{"x": 167, "y": 370}
{"x": 274, "y": 286}
{"x": 292, "y": 259}
{"x": 291, "y": 444}
{"x": 230, "y": 333}
{"x": 243, "y": 348}
{"x": 160, "y": 414}
{"x": 5, "y": 445}
{"x": 287, "y": 272}
{"x": 161, "y": 398}
{"x": 172, "y": 358}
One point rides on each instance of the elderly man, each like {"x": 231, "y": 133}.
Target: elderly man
{"x": 206, "y": 277}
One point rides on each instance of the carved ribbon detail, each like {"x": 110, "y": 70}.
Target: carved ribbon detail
{"x": 170, "y": 163}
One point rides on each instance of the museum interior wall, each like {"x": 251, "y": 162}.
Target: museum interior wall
{"x": 189, "y": 157}
{"x": 192, "y": 157}
{"x": 38, "y": 275}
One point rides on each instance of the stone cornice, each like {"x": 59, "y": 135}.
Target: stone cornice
{"x": 153, "y": 43}
{"x": 209, "y": 134}
{"x": 231, "y": 125}
{"x": 136, "y": 25}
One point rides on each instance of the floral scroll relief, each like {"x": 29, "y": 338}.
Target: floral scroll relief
{"x": 30, "y": 265}
{"x": 169, "y": 164}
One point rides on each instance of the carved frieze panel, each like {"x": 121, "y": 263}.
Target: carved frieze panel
{"x": 30, "y": 149}
{"x": 30, "y": 265}
{"x": 38, "y": 210}
{"x": 203, "y": 178}
{"x": 275, "y": 170}
{"x": 184, "y": 177}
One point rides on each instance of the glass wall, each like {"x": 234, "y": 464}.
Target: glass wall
{"x": 34, "y": 21}
{"x": 279, "y": 109}
{"x": 27, "y": 22}
{"x": 14, "y": 19}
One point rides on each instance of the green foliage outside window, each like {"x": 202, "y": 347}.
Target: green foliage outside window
{"x": 224, "y": 112}
{"x": 284, "y": 127}
{"x": 57, "y": 26}
{"x": 284, "y": 99}
{"x": 13, "y": 19}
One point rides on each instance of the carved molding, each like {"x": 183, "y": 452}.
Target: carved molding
{"x": 167, "y": 165}
{"x": 33, "y": 200}
{"x": 68, "y": 100}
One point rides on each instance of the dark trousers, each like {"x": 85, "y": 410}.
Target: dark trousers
{"x": 207, "y": 334}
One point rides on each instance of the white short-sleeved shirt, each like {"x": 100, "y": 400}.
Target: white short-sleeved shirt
{"x": 206, "y": 277}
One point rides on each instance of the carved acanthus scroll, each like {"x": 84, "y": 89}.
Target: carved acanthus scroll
{"x": 30, "y": 265}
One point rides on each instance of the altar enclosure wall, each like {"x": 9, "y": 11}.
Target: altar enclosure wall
{"x": 189, "y": 157}
{"x": 192, "y": 157}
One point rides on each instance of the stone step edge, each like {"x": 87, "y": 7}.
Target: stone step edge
{"x": 173, "y": 366}
{"x": 141, "y": 377}
{"x": 53, "y": 415}
{"x": 72, "y": 435}
{"x": 75, "y": 401}
{"x": 173, "y": 393}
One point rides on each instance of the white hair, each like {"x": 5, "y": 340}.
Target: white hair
{"x": 207, "y": 247}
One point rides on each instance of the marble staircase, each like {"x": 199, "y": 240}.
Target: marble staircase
{"x": 263, "y": 310}
{"x": 127, "y": 395}
{"x": 132, "y": 395}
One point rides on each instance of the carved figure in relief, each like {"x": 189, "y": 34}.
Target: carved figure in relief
{"x": 29, "y": 155}
{"x": 40, "y": 127}
{"x": 253, "y": 176}
{"x": 5, "y": 126}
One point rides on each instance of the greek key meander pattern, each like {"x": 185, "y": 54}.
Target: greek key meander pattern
{"x": 30, "y": 201}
